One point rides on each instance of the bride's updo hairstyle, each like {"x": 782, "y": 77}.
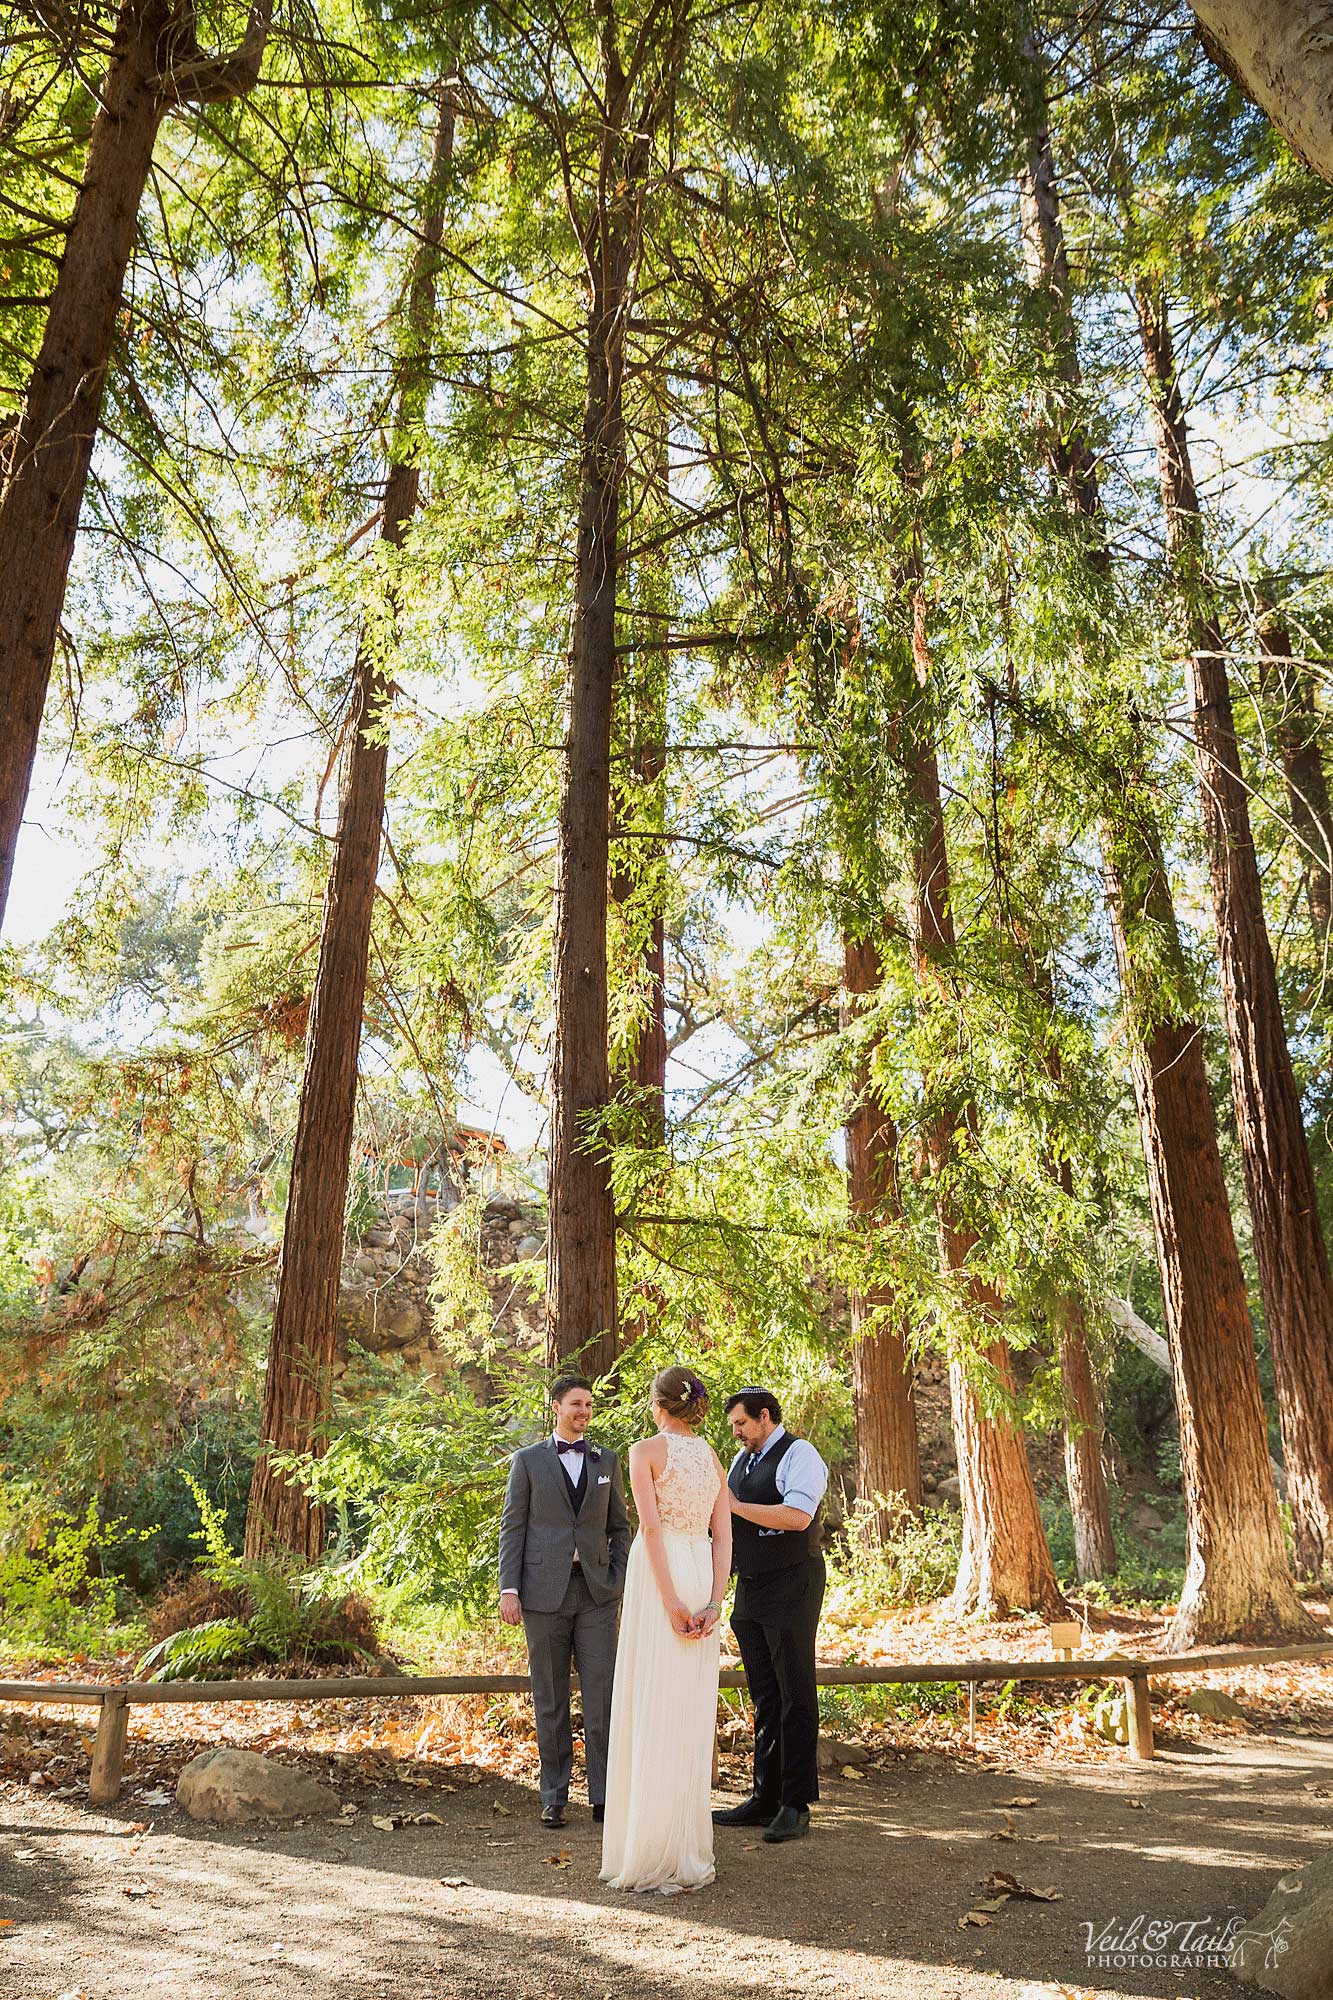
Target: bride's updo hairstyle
{"x": 681, "y": 1394}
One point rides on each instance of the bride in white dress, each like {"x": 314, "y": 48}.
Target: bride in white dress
{"x": 658, "y": 1831}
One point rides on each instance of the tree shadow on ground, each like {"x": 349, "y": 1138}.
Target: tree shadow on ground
{"x": 871, "y": 1902}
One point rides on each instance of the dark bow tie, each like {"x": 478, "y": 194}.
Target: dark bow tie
{"x": 579, "y": 1445}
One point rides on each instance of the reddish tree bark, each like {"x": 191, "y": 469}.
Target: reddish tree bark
{"x": 1289, "y": 1244}
{"x": 1237, "y": 1583}
{"x": 1006, "y": 1563}
{"x": 581, "y": 1252}
{"x": 155, "y": 64}
{"x": 1296, "y": 731}
{"x": 298, "y": 1380}
{"x": 888, "y": 1453}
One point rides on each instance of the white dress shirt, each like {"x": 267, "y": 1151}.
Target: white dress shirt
{"x": 802, "y": 1476}
{"x": 571, "y": 1462}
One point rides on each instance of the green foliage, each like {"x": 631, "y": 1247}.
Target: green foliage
{"x": 277, "y": 1612}
{"x": 913, "y": 1562}
{"x": 56, "y": 1593}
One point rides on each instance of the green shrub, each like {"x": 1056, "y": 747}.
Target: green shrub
{"x": 55, "y": 1593}
{"x": 263, "y": 1610}
{"x": 912, "y": 1563}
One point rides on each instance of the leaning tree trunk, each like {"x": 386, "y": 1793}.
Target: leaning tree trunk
{"x": 1289, "y": 1244}
{"x": 1237, "y": 1583}
{"x": 154, "y": 64}
{"x": 1006, "y": 1563}
{"x": 888, "y": 1454}
{"x": 298, "y": 1382}
{"x": 1278, "y": 52}
{"x": 1296, "y": 730}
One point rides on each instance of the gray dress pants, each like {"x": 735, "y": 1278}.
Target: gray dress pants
{"x": 584, "y": 1634}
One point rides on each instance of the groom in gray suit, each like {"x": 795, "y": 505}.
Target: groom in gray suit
{"x": 564, "y": 1544}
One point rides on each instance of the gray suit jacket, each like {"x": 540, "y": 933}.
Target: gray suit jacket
{"x": 539, "y": 1530}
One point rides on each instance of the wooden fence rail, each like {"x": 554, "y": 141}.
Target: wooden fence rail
{"x": 115, "y": 1701}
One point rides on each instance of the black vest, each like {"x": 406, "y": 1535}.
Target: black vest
{"x": 757, "y": 1551}
{"x": 579, "y": 1488}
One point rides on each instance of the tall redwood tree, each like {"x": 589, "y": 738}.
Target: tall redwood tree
{"x": 1237, "y": 1582}
{"x": 888, "y": 1453}
{"x": 636, "y": 88}
{"x": 1289, "y": 1246}
{"x": 298, "y": 1381}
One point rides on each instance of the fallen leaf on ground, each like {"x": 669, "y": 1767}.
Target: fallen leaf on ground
{"x": 425, "y": 1819}
{"x": 503, "y": 1811}
{"x": 7, "y": 1923}
{"x": 978, "y": 1918}
{"x": 993, "y": 1903}
{"x": 136, "y": 1889}
{"x": 1136, "y": 1805}
{"x": 1009, "y": 1885}
{"x": 560, "y": 1860}
{"x": 455, "y": 1882}
{"x": 1021, "y": 1802}
{"x": 154, "y": 1798}
{"x": 850, "y": 1771}
{"x": 383, "y": 1822}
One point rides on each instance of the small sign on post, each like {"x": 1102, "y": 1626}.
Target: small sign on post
{"x": 1064, "y": 1638}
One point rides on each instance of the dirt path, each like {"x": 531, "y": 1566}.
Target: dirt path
{"x": 141, "y": 1901}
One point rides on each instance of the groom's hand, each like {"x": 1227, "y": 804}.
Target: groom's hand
{"x": 510, "y": 1608}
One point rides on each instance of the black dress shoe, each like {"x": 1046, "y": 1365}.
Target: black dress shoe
{"x": 553, "y": 1815}
{"x": 750, "y": 1812}
{"x": 790, "y": 1824}
{"x": 598, "y": 1815}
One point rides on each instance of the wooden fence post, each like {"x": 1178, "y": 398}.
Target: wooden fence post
{"x": 1138, "y": 1711}
{"x": 109, "y": 1749}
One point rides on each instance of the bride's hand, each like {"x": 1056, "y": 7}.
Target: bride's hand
{"x": 682, "y": 1621}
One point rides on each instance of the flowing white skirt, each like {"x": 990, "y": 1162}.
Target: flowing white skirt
{"x": 658, "y": 1832}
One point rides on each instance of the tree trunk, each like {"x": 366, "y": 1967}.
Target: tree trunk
{"x": 1006, "y": 1562}
{"x": 582, "y": 1242}
{"x": 1085, "y": 1473}
{"x": 1237, "y": 1583}
{"x": 298, "y": 1382}
{"x": 581, "y": 1254}
{"x": 1279, "y": 1181}
{"x": 39, "y": 510}
{"x": 888, "y": 1455}
{"x": 1278, "y": 52}
{"x": 1085, "y": 1469}
{"x": 153, "y": 64}
{"x": 1296, "y": 730}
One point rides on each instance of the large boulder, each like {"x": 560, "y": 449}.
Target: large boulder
{"x": 234, "y": 1786}
{"x": 1288, "y": 1948}
{"x": 1215, "y": 1703}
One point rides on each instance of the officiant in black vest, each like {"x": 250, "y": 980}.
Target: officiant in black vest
{"x": 777, "y": 1484}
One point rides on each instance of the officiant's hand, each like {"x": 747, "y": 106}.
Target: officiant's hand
{"x": 510, "y": 1608}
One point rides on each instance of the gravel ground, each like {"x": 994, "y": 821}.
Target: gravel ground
{"x": 139, "y": 1900}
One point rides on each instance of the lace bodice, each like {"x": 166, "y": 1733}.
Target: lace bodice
{"x": 687, "y": 1489}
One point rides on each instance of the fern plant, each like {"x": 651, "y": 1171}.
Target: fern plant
{"x": 277, "y": 1611}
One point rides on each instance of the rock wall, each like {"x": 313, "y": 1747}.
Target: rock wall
{"x": 385, "y": 1306}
